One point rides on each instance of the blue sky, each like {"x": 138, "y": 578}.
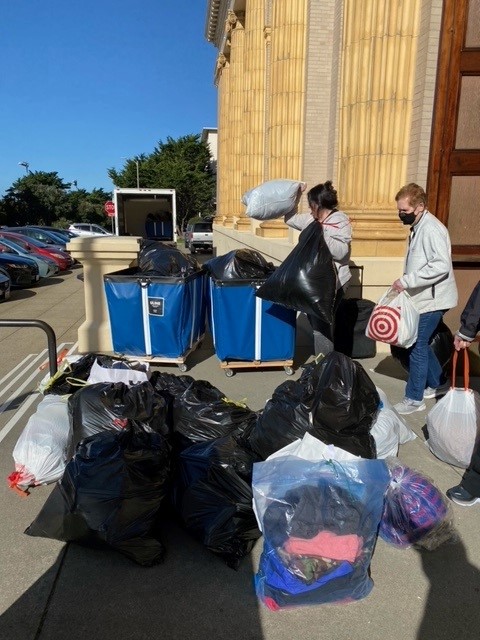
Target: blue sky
{"x": 83, "y": 84}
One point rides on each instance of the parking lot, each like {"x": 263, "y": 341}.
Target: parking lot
{"x": 51, "y": 590}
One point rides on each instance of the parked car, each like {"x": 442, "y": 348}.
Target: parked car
{"x": 48, "y": 237}
{"x": 4, "y": 285}
{"x": 23, "y": 272}
{"x": 199, "y": 235}
{"x": 64, "y": 233}
{"x": 46, "y": 266}
{"x": 62, "y": 258}
{"x": 87, "y": 229}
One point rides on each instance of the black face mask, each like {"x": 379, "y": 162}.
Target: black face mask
{"x": 407, "y": 218}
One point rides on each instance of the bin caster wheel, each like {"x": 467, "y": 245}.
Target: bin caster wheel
{"x": 289, "y": 371}
{"x": 183, "y": 367}
{"x": 229, "y": 373}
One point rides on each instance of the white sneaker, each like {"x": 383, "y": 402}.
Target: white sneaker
{"x": 409, "y": 406}
{"x": 438, "y": 392}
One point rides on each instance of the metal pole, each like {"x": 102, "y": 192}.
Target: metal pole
{"x": 52, "y": 340}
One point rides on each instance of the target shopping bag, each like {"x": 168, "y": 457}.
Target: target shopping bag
{"x": 394, "y": 320}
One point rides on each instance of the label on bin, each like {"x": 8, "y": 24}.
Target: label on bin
{"x": 155, "y": 306}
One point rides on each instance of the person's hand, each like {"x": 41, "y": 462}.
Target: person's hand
{"x": 460, "y": 343}
{"x": 398, "y": 286}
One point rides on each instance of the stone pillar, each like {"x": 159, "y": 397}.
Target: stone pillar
{"x": 287, "y": 98}
{"x": 222, "y": 80}
{"x": 100, "y": 256}
{"x": 253, "y": 150}
{"x": 235, "y": 27}
{"x": 377, "y": 89}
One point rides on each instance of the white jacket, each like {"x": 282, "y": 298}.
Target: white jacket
{"x": 428, "y": 271}
{"x": 337, "y": 232}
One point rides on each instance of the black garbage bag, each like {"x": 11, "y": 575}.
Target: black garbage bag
{"x": 110, "y": 495}
{"x": 203, "y": 413}
{"x": 344, "y": 403}
{"x": 107, "y": 406}
{"x": 306, "y": 280}
{"x": 441, "y": 343}
{"x": 170, "y": 383}
{"x": 158, "y": 259}
{"x": 213, "y": 497}
{"x": 284, "y": 419}
{"x": 239, "y": 264}
{"x": 63, "y": 382}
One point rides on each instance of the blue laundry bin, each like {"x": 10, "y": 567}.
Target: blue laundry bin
{"x": 155, "y": 315}
{"x": 247, "y": 328}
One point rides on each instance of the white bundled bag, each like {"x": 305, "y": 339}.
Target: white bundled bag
{"x": 394, "y": 320}
{"x": 453, "y": 423}
{"x": 44, "y": 446}
{"x": 120, "y": 371}
{"x": 389, "y": 430}
{"x": 272, "y": 199}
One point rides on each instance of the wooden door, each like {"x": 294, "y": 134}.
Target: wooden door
{"x": 454, "y": 170}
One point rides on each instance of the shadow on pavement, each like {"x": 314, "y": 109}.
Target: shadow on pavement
{"x": 451, "y": 609}
{"x": 99, "y": 594}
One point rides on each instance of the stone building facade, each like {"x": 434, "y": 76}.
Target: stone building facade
{"x": 352, "y": 91}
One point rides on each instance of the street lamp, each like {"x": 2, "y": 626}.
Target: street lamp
{"x": 26, "y": 165}
{"x": 138, "y": 169}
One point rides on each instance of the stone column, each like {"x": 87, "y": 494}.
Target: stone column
{"x": 253, "y": 149}
{"x": 287, "y": 98}
{"x": 235, "y": 27}
{"x": 377, "y": 88}
{"x": 100, "y": 256}
{"x": 222, "y": 80}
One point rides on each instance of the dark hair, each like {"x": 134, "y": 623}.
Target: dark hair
{"x": 323, "y": 195}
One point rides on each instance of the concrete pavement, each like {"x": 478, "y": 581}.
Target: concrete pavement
{"x": 53, "y": 591}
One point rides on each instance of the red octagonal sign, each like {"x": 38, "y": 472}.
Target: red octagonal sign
{"x": 109, "y": 208}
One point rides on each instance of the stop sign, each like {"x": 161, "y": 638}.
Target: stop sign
{"x": 109, "y": 208}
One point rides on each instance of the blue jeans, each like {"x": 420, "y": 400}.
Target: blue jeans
{"x": 424, "y": 367}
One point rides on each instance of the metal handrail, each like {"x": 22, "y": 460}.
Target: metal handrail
{"x": 52, "y": 340}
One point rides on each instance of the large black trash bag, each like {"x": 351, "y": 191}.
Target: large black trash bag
{"x": 239, "y": 264}
{"x": 107, "y": 406}
{"x": 306, "y": 280}
{"x": 284, "y": 419}
{"x": 158, "y": 259}
{"x": 213, "y": 497}
{"x": 61, "y": 383}
{"x": 110, "y": 495}
{"x": 442, "y": 346}
{"x": 170, "y": 386}
{"x": 344, "y": 404}
{"x": 203, "y": 413}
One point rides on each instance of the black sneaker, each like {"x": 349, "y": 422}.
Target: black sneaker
{"x": 460, "y": 496}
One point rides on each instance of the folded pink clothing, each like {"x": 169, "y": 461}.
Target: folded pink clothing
{"x": 326, "y": 545}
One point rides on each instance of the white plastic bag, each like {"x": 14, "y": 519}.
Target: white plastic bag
{"x": 394, "y": 320}
{"x": 44, "y": 446}
{"x": 389, "y": 430}
{"x": 120, "y": 371}
{"x": 453, "y": 423}
{"x": 272, "y": 199}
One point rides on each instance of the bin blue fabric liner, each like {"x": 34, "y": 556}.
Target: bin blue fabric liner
{"x": 155, "y": 315}
{"x": 159, "y": 229}
{"x": 247, "y": 328}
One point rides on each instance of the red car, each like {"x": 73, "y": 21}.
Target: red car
{"x": 63, "y": 259}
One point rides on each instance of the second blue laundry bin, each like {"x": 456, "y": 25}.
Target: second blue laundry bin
{"x": 248, "y": 331}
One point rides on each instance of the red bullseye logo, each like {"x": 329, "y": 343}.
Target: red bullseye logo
{"x": 383, "y": 324}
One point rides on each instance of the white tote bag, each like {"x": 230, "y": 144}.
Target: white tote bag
{"x": 394, "y": 320}
{"x": 453, "y": 423}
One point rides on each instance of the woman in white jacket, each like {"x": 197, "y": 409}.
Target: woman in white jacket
{"x": 337, "y": 231}
{"x": 428, "y": 278}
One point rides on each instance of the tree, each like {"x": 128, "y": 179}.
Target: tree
{"x": 39, "y": 197}
{"x": 182, "y": 164}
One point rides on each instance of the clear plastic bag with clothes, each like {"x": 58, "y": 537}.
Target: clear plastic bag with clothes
{"x": 44, "y": 446}
{"x": 272, "y": 199}
{"x": 415, "y": 511}
{"x": 319, "y": 520}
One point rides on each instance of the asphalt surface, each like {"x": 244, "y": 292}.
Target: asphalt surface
{"x": 53, "y": 591}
